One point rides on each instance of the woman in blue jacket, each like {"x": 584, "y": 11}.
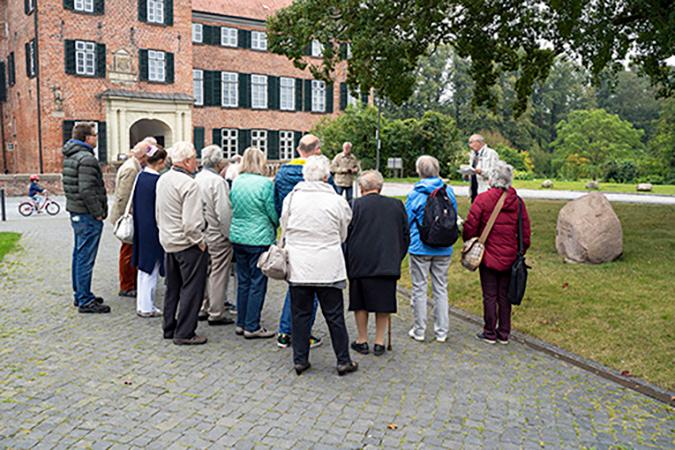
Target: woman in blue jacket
{"x": 424, "y": 259}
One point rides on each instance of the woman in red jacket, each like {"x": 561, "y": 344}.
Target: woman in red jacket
{"x": 501, "y": 248}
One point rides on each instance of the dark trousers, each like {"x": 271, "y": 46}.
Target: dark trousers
{"x": 128, "y": 273}
{"x": 347, "y": 190}
{"x": 332, "y": 308}
{"x": 496, "y": 305}
{"x": 251, "y": 285}
{"x": 185, "y": 281}
{"x": 87, "y": 232}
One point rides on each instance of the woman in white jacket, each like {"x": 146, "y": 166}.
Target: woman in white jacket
{"x": 316, "y": 221}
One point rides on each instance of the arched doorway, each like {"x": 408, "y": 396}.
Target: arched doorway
{"x": 150, "y": 127}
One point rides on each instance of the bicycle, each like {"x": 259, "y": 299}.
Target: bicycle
{"x": 29, "y": 207}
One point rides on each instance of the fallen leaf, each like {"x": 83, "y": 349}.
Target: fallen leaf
{"x": 392, "y": 426}
{"x": 626, "y": 373}
{"x": 565, "y": 285}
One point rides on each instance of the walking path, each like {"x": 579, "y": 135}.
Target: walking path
{"x": 111, "y": 381}
{"x": 402, "y": 189}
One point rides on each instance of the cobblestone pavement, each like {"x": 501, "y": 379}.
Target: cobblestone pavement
{"x": 111, "y": 381}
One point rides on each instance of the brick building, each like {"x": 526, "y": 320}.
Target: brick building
{"x": 174, "y": 69}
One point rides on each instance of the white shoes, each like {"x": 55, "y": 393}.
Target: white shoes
{"x": 441, "y": 339}
{"x": 412, "y": 334}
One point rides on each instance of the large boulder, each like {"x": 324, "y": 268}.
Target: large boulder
{"x": 547, "y": 184}
{"x": 589, "y": 231}
{"x": 644, "y": 187}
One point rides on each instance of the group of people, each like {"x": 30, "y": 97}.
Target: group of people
{"x": 197, "y": 226}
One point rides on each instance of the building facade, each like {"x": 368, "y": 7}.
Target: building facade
{"x": 175, "y": 69}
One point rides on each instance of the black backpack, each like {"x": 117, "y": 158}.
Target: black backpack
{"x": 439, "y": 224}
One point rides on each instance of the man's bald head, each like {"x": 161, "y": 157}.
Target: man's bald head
{"x": 309, "y": 145}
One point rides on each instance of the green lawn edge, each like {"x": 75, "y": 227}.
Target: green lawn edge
{"x": 8, "y": 241}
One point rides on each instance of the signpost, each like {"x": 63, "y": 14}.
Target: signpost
{"x": 395, "y": 165}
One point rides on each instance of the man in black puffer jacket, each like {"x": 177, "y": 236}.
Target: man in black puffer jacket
{"x": 87, "y": 203}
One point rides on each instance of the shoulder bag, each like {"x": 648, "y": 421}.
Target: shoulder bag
{"x": 518, "y": 282}
{"x": 124, "y": 227}
{"x": 274, "y": 262}
{"x": 474, "y": 248}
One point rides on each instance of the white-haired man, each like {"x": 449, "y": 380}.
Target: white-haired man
{"x": 483, "y": 160}
{"x": 218, "y": 215}
{"x": 180, "y": 220}
{"x": 345, "y": 168}
{"x": 124, "y": 185}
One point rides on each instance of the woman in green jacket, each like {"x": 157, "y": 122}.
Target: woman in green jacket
{"x": 253, "y": 230}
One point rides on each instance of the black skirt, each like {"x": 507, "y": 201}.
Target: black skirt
{"x": 377, "y": 294}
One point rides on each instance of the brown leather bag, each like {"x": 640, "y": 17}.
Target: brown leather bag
{"x": 474, "y": 248}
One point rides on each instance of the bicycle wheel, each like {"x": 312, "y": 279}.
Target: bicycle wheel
{"x": 52, "y": 208}
{"x": 26, "y": 208}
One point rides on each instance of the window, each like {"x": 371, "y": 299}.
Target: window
{"x": 197, "y": 33}
{"x": 317, "y": 49}
{"x": 85, "y": 58}
{"x": 228, "y": 36}
{"x": 286, "y": 145}
{"x": 31, "y": 69}
{"x": 259, "y": 91}
{"x": 229, "y": 142}
{"x": 258, "y": 40}
{"x": 230, "y": 89}
{"x": 318, "y": 96}
{"x": 156, "y": 66}
{"x": 349, "y": 51}
{"x": 198, "y": 86}
{"x": 84, "y": 6}
{"x": 156, "y": 11}
{"x": 287, "y": 94}
{"x": 29, "y": 6}
{"x": 259, "y": 139}
{"x": 351, "y": 100}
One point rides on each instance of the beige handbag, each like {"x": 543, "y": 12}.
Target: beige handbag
{"x": 474, "y": 248}
{"x": 124, "y": 227}
{"x": 274, "y": 262}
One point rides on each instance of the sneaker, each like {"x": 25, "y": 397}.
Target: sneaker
{"x": 129, "y": 294}
{"x": 231, "y": 308}
{"x": 482, "y": 337}
{"x": 283, "y": 340}
{"x": 94, "y": 308}
{"x": 194, "y": 340}
{"x": 222, "y": 321}
{"x": 260, "y": 333}
{"x": 148, "y": 315}
{"x": 315, "y": 342}
{"x": 441, "y": 339}
{"x": 239, "y": 331}
{"x": 360, "y": 347}
{"x": 506, "y": 342}
{"x": 98, "y": 300}
{"x": 413, "y": 335}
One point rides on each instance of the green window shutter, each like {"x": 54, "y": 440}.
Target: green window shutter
{"x": 272, "y": 144}
{"x": 198, "y": 139}
{"x": 307, "y": 93}
{"x": 273, "y": 86}
{"x": 143, "y": 11}
{"x": 344, "y": 92}
{"x": 69, "y": 4}
{"x": 99, "y": 6}
{"x": 3, "y": 83}
{"x": 217, "y": 137}
{"x": 26, "y": 6}
{"x": 102, "y": 142}
{"x": 298, "y": 94}
{"x": 27, "y": 48}
{"x": 307, "y": 50}
{"x": 244, "y": 90}
{"x": 244, "y": 140}
{"x": 343, "y": 51}
{"x": 364, "y": 99}
{"x": 297, "y": 135}
{"x": 208, "y": 88}
{"x": 168, "y": 12}
{"x": 244, "y": 39}
{"x": 143, "y": 64}
{"x": 100, "y": 60}
{"x": 329, "y": 97}
{"x": 70, "y": 57}
{"x": 11, "y": 70}
{"x": 168, "y": 60}
{"x": 67, "y": 129}
{"x": 216, "y": 89}
{"x": 208, "y": 32}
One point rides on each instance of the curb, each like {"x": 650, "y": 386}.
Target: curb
{"x": 635, "y": 384}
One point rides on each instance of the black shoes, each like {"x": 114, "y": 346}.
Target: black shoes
{"x": 194, "y": 340}
{"x": 344, "y": 369}
{"x": 378, "y": 350}
{"x": 299, "y": 368}
{"x": 129, "y": 294}
{"x": 202, "y": 317}
{"x": 221, "y": 321}
{"x": 94, "y": 307}
{"x": 360, "y": 348}
{"x": 98, "y": 300}
{"x": 482, "y": 337}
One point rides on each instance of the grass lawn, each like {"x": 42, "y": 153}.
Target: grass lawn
{"x": 7, "y": 243}
{"x": 666, "y": 189}
{"x": 620, "y": 314}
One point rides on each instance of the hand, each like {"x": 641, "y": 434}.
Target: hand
{"x": 478, "y": 171}
{"x": 202, "y": 246}
{"x": 99, "y": 218}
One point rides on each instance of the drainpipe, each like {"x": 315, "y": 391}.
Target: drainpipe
{"x": 37, "y": 78}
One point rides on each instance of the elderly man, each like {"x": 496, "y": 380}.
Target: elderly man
{"x": 288, "y": 176}
{"x": 180, "y": 220}
{"x": 218, "y": 215}
{"x": 345, "y": 167}
{"x": 124, "y": 185}
{"x": 483, "y": 160}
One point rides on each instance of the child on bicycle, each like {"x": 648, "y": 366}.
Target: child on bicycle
{"x": 34, "y": 191}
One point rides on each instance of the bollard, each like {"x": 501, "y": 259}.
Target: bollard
{"x": 2, "y": 205}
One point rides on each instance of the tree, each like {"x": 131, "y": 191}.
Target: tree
{"x": 388, "y": 37}
{"x": 663, "y": 143}
{"x": 598, "y": 137}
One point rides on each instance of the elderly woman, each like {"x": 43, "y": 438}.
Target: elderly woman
{"x": 254, "y": 223}
{"x": 316, "y": 221}
{"x": 148, "y": 255}
{"x": 377, "y": 243}
{"x": 501, "y": 249}
{"x": 426, "y": 260}
{"x": 218, "y": 215}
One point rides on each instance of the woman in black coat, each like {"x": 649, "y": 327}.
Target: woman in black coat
{"x": 377, "y": 243}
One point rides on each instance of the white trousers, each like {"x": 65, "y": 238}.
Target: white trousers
{"x": 146, "y": 286}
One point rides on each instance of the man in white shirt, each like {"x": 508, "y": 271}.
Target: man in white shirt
{"x": 483, "y": 160}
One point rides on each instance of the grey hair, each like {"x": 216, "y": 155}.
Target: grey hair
{"x": 371, "y": 180}
{"x": 182, "y": 151}
{"x": 141, "y": 148}
{"x": 316, "y": 168}
{"x": 427, "y": 166}
{"x": 502, "y": 175}
{"x": 212, "y": 156}
{"x": 477, "y": 137}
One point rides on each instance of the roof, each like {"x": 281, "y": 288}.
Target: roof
{"x": 248, "y": 9}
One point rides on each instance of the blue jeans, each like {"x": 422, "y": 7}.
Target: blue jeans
{"x": 251, "y": 285}
{"x": 87, "y": 232}
{"x": 286, "y": 323}
{"x": 347, "y": 190}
